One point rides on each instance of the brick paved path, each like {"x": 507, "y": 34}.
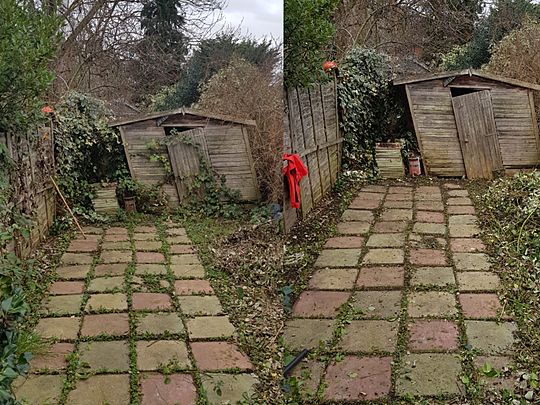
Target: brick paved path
{"x": 133, "y": 319}
{"x": 399, "y": 293}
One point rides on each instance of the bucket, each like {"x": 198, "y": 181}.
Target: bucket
{"x": 414, "y": 166}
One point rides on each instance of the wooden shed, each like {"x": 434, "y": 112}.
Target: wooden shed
{"x": 182, "y": 138}
{"x": 473, "y": 123}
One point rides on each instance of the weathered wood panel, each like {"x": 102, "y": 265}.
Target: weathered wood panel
{"x": 312, "y": 131}
{"x": 477, "y": 134}
{"x": 435, "y": 127}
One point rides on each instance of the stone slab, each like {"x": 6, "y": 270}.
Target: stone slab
{"x": 433, "y": 335}
{"x": 76, "y": 258}
{"x": 333, "y": 279}
{"x": 302, "y": 334}
{"x": 216, "y": 356}
{"x": 463, "y": 230}
{"x": 111, "y": 389}
{"x": 430, "y": 217}
{"x": 63, "y": 304}
{"x": 392, "y": 214}
{"x": 384, "y": 256}
{"x": 353, "y": 228}
{"x": 467, "y": 245}
{"x": 432, "y": 304}
{"x": 66, "y": 287}
{"x": 160, "y": 323}
{"x": 390, "y": 226}
{"x": 471, "y": 261}
{"x": 107, "y": 302}
{"x": 154, "y": 354}
{"x": 478, "y": 281}
{"x": 58, "y": 328}
{"x": 105, "y": 324}
{"x": 157, "y": 389}
{"x": 338, "y": 258}
{"x": 116, "y": 256}
{"x": 319, "y": 304}
{"x": 106, "y": 284}
{"x": 438, "y": 276}
{"x": 187, "y": 270}
{"x": 210, "y": 327}
{"x": 151, "y": 301}
{"x": 480, "y": 305}
{"x": 77, "y": 272}
{"x": 53, "y": 359}
{"x": 429, "y": 228}
{"x": 103, "y": 270}
{"x": 380, "y": 276}
{"x": 345, "y": 242}
{"x": 39, "y": 389}
{"x": 428, "y": 257}
{"x": 386, "y": 240}
{"x": 190, "y": 287}
{"x": 104, "y": 356}
{"x": 223, "y": 389}
{"x": 149, "y": 268}
{"x": 368, "y": 336}
{"x": 377, "y": 304}
{"x": 357, "y": 215}
{"x": 490, "y": 337}
{"x": 150, "y": 257}
{"x": 200, "y": 305}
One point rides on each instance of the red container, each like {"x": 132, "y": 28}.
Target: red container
{"x": 414, "y": 166}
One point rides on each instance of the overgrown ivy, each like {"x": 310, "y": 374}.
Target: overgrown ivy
{"x": 87, "y": 149}
{"x": 367, "y": 108}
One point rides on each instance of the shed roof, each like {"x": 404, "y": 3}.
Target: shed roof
{"x": 182, "y": 111}
{"x": 468, "y": 72}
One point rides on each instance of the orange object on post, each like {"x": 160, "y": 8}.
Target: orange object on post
{"x": 294, "y": 171}
{"x": 414, "y": 166}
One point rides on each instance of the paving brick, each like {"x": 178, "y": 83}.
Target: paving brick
{"x": 490, "y": 337}
{"x": 124, "y": 245}
{"x": 398, "y": 197}
{"x": 358, "y": 378}
{"x": 53, "y": 359}
{"x": 148, "y": 245}
{"x": 160, "y": 323}
{"x": 433, "y": 335}
{"x": 300, "y": 334}
{"x": 116, "y": 256}
{"x": 381, "y": 277}
{"x": 92, "y": 230}
{"x": 157, "y": 389}
{"x": 83, "y": 246}
{"x": 471, "y": 261}
{"x": 63, "y": 304}
{"x": 319, "y": 304}
{"x": 78, "y": 272}
{"x": 353, "y": 228}
{"x": 377, "y": 304}
{"x": 478, "y": 306}
{"x": 181, "y": 249}
{"x": 400, "y": 190}
{"x": 105, "y": 356}
{"x": 39, "y": 389}
{"x": 103, "y": 270}
{"x": 145, "y": 229}
{"x": 462, "y": 220}
{"x": 76, "y": 258}
{"x": 369, "y": 336}
{"x": 145, "y": 237}
{"x": 210, "y": 327}
{"x": 430, "y": 216}
{"x": 458, "y": 193}
{"x": 222, "y": 389}
{"x": 116, "y": 238}
{"x": 66, "y": 287}
{"x": 467, "y": 245}
{"x": 427, "y": 257}
{"x": 428, "y": 197}
{"x": 187, "y": 259}
{"x": 373, "y": 188}
{"x": 200, "y": 305}
{"x": 452, "y": 186}
{"x": 386, "y": 240}
{"x": 154, "y": 354}
{"x": 177, "y": 231}
{"x": 439, "y": 276}
{"x": 106, "y": 284}
{"x": 187, "y": 270}
{"x": 116, "y": 230}
{"x": 390, "y": 227}
{"x": 338, "y": 258}
{"x": 107, "y": 302}
{"x": 429, "y": 374}
{"x": 150, "y": 257}
{"x": 463, "y": 230}
{"x": 333, "y": 279}
{"x": 497, "y": 363}
{"x": 392, "y": 214}
{"x": 180, "y": 239}
{"x": 105, "y": 324}
{"x": 478, "y": 281}
{"x": 357, "y": 215}
{"x": 150, "y": 269}
{"x": 215, "y": 356}
{"x": 384, "y": 256}
{"x": 362, "y": 195}
{"x": 459, "y": 201}
{"x": 58, "y": 328}
{"x": 460, "y": 209}
{"x": 426, "y": 205}
{"x": 151, "y": 301}
{"x": 398, "y": 204}
{"x": 432, "y": 303}
{"x": 429, "y": 228}
{"x": 428, "y": 189}
{"x": 345, "y": 242}
{"x": 361, "y": 204}
{"x": 309, "y": 374}
{"x": 189, "y": 287}
{"x": 110, "y": 389}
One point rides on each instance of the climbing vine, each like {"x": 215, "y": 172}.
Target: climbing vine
{"x": 368, "y": 112}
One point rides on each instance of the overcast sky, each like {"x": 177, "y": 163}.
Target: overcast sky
{"x": 259, "y": 18}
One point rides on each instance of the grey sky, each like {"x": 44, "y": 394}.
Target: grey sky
{"x": 257, "y": 17}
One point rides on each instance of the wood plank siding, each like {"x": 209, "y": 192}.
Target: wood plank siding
{"x": 430, "y": 103}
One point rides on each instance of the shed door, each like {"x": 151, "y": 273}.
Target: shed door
{"x": 185, "y": 153}
{"x": 477, "y": 134}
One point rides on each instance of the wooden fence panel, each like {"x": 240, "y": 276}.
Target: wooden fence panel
{"x": 312, "y": 131}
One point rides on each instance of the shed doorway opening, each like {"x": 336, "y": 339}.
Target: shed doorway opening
{"x": 461, "y": 91}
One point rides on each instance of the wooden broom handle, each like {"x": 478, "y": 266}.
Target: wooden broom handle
{"x": 67, "y": 206}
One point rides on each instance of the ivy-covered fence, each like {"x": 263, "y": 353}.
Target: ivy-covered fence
{"x": 33, "y": 195}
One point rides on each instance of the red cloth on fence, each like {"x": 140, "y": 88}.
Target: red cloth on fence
{"x": 294, "y": 171}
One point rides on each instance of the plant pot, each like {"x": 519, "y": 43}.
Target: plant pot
{"x": 129, "y": 204}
